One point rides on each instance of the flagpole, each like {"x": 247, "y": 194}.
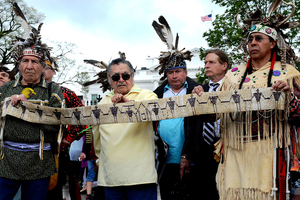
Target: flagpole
{"x": 211, "y": 19}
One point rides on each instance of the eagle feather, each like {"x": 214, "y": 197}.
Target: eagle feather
{"x": 273, "y": 6}
{"x": 22, "y": 20}
{"x": 96, "y": 63}
{"x": 163, "y": 30}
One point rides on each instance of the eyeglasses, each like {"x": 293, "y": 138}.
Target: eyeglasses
{"x": 116, "y": 77}
{"x": 47, "y": 67}
{"x": 257, "y": 38}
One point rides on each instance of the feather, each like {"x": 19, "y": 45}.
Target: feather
{"x": 122, "y": 55}
{"x": 90, "y": 82}
{"x": 39, "y": 28}
{"x": 293, "y": 24}
{"x": 96, "y": 63}
{"x": 163, "y": 30}
{"x": 102, "y": 79}
{"x": 176, "y": 41}
{"x": 22, "y": 20}
{"x": 273, "y": 6}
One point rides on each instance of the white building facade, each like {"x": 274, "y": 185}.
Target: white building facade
{"x": 146, "y": 77}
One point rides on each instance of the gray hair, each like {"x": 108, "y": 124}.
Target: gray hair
{"x": 118, "y": 61}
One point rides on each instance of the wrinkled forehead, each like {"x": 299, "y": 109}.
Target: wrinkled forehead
{"x": 30, "y": 58}
{"x": 119, "y": 69}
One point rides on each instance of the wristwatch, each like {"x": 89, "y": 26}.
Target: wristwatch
{"x": 184, "y": 156}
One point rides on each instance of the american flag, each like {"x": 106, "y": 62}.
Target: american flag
{"x": 207, "y": 18}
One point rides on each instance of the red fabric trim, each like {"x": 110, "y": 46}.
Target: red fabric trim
{"x": 248, "y": 63}
{"x": 273, "y": 60}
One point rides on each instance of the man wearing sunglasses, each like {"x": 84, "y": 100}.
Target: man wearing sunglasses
{"x": 125, "y": 150}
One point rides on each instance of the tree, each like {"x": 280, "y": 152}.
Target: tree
{"x": 69, "y": 71}
{"x": 201, "y": 76}
{"x": 9, "y": 27}
{"x": 226, "y": 34}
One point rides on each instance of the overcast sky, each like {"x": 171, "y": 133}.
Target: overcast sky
{"x": 102, "y": 28}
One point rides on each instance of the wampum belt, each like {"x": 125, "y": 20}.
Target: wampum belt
{"x": 150, "y": 110}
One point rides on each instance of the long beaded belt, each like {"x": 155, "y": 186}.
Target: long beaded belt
{"x": 151, "y": 110}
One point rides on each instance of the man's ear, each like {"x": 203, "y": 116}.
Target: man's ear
{"x": 226, "y": 65}
{"x": 273, "y": 44}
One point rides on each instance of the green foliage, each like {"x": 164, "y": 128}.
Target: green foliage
{"x": 201, "y": 76}
{"x": 226, "y": 34}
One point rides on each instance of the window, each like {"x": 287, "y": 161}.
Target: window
{"x": 94, "y": 100}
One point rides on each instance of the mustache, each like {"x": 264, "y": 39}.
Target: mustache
{"x": 121, "y": 84}
{"x": 29, "y": 71}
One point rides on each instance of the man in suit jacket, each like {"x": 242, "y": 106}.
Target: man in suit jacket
{"x": 206, "y": 134}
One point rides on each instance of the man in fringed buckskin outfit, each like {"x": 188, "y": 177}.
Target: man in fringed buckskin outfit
{"x": 256, "y": 147}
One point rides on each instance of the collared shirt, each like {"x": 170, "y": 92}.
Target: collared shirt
{"x": 126, "y": 150}
{"x": 172, "y": 130}
{"x": 211, "y": 88}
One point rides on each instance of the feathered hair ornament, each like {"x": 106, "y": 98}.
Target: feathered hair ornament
{"x": 172, "y": 58}
{"x": 53, "y": 64}
{"x": 31, "y": 43}
{"x": 271, "y": 26}
{"x": 102, "y": 76}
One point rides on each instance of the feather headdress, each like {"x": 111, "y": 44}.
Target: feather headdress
{"x": 102, "y": 76}
{"x": 269, "y": 24}
{"x": 172, "y": 58}
{"x": 31, "y": 44}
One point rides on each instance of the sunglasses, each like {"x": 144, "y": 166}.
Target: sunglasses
{"x": 116, "y": 77}
{"x": 257, "y": 38}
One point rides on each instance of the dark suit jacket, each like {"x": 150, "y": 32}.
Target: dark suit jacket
{"x": 205, "y": 164}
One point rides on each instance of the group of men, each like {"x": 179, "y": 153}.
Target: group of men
{"x": 242, "y": 169}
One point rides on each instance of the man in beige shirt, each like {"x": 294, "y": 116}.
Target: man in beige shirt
{"x": 125, "y": 150}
